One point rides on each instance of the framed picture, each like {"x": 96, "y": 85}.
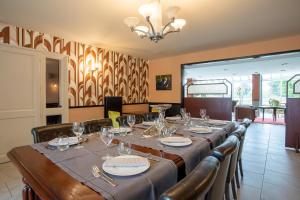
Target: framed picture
{"x": 164, "y": 82}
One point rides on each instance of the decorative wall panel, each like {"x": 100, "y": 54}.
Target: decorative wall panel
{"x": 117, "y": 74}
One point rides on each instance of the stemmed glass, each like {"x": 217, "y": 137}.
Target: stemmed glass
{"x": 159, "y": 125}
{"x": 202, "y": 113}
{"x": 78, "y": 129}
{"x": 106, "y": 136}
{"x": 131, "y": 120}
{"x": 182, "y": 112}
{"x": 187, "y": 118}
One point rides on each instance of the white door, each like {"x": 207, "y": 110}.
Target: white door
{"x": 19, "y": 97}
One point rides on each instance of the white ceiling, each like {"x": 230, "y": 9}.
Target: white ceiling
{"x": 284, "y": 64}
{"x": 210, "y": 23}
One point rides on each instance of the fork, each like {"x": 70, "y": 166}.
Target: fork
{"x": 97, "y": 173}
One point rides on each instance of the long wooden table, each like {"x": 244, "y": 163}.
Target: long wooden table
{"x": 46, "y": 180}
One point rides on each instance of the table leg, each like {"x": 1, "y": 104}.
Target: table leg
{"x": 275, "y": 114}
{"x": 263, "y": 114}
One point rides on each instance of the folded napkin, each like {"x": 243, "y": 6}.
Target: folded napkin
{"x": 176, "y": 140}
{"x": 126, "y": 162}
{"x": 71, "y": 141}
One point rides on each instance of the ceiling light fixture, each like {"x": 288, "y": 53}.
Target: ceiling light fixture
{"x": 155, "y": 30}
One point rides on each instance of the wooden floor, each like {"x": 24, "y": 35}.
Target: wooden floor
{"x": 270, "y": 171}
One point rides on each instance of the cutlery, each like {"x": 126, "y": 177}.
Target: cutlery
{"x": 100, "y": 170}
{"x": 148, "y": 155}
{"x": 97, "y": 173}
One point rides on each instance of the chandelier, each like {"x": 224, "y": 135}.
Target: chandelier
{"x": 155, "y": 30}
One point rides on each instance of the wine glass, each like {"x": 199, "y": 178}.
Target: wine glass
{"x": 202, "y": 113}
{"x": 78, "y": 129}
{"x": 187, "y": 118}
{"x": 106, "y": 136}
{"x": 182, "y": 112}
{"x": 131, "y": 120}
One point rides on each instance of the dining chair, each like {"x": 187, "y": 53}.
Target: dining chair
{"x": 95, "y": 125}
{"x": 246, "y": 122}
{"x": 230, "y": 180}
{"x": 47, "y": 133}
{"x": 197, "y": 183}
{"x": 223, "y": 153}
{"x": 240, "y": 133}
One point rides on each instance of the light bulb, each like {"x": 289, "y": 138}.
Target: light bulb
{"x": 178, "y": 24}
{"x": 146, "y": 10}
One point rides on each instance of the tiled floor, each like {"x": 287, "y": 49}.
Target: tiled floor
{"x": 270, "y": 171}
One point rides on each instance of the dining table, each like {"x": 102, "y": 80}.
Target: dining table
{"x": 53, "y": 174}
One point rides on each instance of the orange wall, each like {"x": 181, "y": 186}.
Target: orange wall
{"x": 88, "y": 113}
{"x": 171, "y": 65}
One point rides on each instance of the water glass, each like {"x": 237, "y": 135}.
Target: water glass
{"x": 131, "y": 120}
{"x": 122, "y": 131}
{"x": 63, "y": 143}
{"x": 203, "y": 113}
{"x": 78, "y": 129}
{"x": 124, "y": 148}
{"x": 106, "y": 137}
{"x": 159, "y": 125}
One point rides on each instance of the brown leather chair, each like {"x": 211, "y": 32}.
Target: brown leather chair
{"x": 47, "y": 133}
{"x": 122, "y": 120}
{"x": 223, "y": 153}
{"x": 196, "y": 184}
{"x": 95, "y": 125}
{"x": 246, "y": 122}
{"x": 241, "y": 134}
{"x": 231, "y": 174}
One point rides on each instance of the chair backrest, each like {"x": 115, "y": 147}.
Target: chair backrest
{"x": 232, "y": 163}
{"x": 47, "y": 133}
{"x": 197, "y": 183}
{"x": 246, "y": 122}
{"x": 223, "y": 153}
{"x": 240, "y": 133}
{"x": 93, "y": 126}
{"x": 150, "y": 116}
{"x": 112, "y": 104}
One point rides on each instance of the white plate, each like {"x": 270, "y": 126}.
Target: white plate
{"x": 120, "y": 130}
{"x": 175, "y": 141}
{"x": 72, "y": 141}
{"x": 126, "y": 171}
{"x": 201, "y": 130}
